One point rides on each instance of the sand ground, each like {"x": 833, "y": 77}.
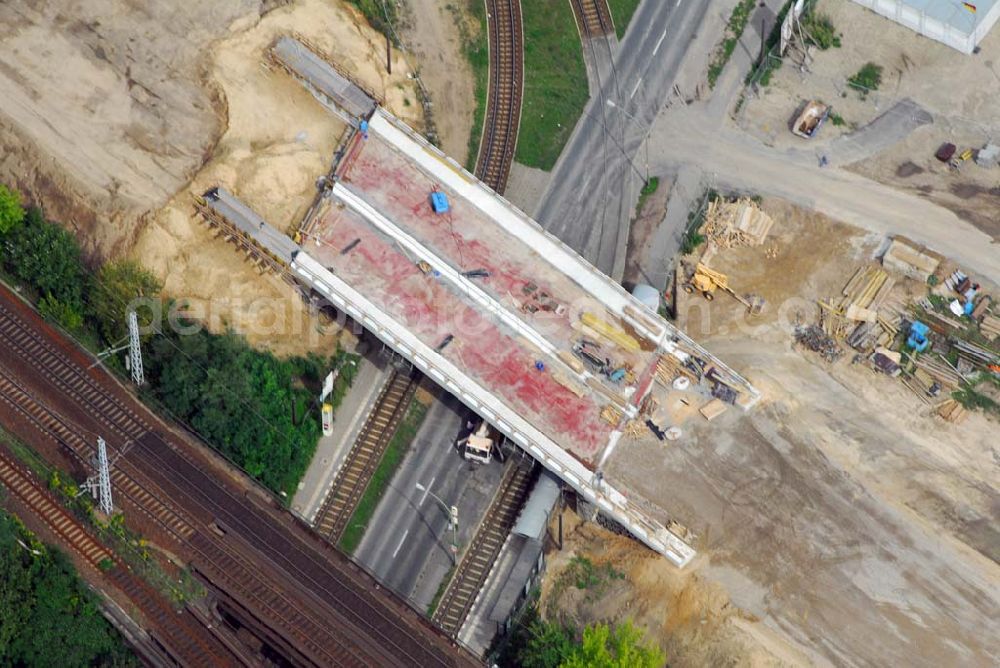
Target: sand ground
{"x": 113, "y": 135}
{"x": 914, "y": 68}
{"x": 278, "y": 140}
{"x": 432, "y": 32}
{"x": 855, "y": 526}
{"x": 107, "y": 109}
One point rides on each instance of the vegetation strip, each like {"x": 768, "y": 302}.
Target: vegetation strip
{"x": 477, "y": 52}
{"x": 621, "y": 13}
{"x": 387, "y": 466}
{"x": 734, "y": 30}
{"x": 256, "y": 409}
{"x": 50, "y": 617}
{"x": 555, "y": 82}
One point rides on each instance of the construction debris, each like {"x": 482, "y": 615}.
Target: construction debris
{"x": 633, "y": 429}
{"x": 809, "y": 121}
{"x": 988, "y": 156}
{"x": 816, "y": 340}
{"x": 739, "y": 223}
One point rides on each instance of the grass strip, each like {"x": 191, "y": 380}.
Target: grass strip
{"x": 433, "y": 605}
{"x": 387, "y": 466}
{"x": 621, "y": 12}
{"x": 647, "y": 190}
{"x": 477, "y": 52}
{"x": 555, "y": 82}
{"x": 734, "y": 30}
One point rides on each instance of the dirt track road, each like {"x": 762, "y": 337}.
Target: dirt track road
{"x": 798, "y": 506}
{"x": 733, "y": 160}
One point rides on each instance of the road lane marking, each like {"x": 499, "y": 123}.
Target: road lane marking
{"x": 427, "y": 490}
{"x": 660, "y": 41}
{"x": 632, "y": 94}
{"x": 403, "y": 538}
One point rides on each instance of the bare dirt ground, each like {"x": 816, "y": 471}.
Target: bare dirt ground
{"x": 851, "y": 523}
{"x": 114, "y": 134}
{"x": 432, "y": 32}
{"x": 914, "y": 67}
{"x": 691, "y": 618}
{"x": 278, "y": 140}
{"x": 107, "y": 110}
{"x": 641, "y": 231}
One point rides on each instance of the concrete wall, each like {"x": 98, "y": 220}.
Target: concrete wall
{"x": 935, "y": 29}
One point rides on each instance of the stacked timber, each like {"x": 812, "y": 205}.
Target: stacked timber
{"x": 951, "y": 411}
{"x": 940, "y": 371}
{"x": 859, "y": 302}
{"x": 990, "y": 327}
{"x": 739, "y": 223}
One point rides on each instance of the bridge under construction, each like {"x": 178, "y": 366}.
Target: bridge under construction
{"x": 553, "y": 353}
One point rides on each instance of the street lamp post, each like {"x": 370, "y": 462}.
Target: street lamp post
{"x": 452, "y": 514}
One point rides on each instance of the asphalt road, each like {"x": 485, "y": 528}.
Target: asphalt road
{"x": 594, "y": 187}
{"x": 408, "y": 545}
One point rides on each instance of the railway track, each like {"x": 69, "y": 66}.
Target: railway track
{"x": 354, "y": 475}
{"x": 503, "y": 101}
{"x": 327, "y": 608}
{"x": 593, "y": 18}
{"x": 178, "y": 632}
{"x": 26, "y": 488}
{"x": 485, "y": 547}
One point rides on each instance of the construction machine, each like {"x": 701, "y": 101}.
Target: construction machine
{"x": 706, "y": 281}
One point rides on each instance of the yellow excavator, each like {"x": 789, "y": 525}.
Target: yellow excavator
{"x": 706, "y": 281}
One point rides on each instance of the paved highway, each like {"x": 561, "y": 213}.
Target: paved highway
{"x": 593, "y": 187}
{"x": 407, "y": 544}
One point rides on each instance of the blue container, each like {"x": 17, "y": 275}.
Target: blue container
{"x": 439, "y": 202}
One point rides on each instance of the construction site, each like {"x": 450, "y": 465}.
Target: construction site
{"x": 771, "y": 442}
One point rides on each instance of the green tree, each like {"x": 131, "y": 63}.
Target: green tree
{"x": 11, "y": 211}
{"x": 548, "y": 646}
{"x": 618, "y": 647}
{"x": 47, "y": 258}
{"x": 66, "y": 315}
{"x": 48, "y": 617}
{"x": 118, "y": 284}
{"x": 240, "y": 400}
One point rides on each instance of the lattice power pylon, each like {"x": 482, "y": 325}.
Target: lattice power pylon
{"x": 100, "y": 484}
{"x": 134, "y": 349}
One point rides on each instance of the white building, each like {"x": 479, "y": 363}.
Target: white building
{"x": 960, "y": 25}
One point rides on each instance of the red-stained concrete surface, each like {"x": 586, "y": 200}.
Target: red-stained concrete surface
{"x": 482, "y": 348}
{"x": 470, "y": 240}
{"x": 467, "y": 239}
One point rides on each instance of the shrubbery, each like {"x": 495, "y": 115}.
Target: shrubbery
{"x": 867, "y": 79}
{"x": 49, "y": 618}
{"x": 248, "y": 404}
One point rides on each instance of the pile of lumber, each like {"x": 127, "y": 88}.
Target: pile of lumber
{"x": 611, "y": 415}
{"x": 975, "y": 354}
{"x": 739, "y": 223}
{"x": 990, "y": 327}
{"x": 858, "y": 302}
{"x": 940, "y": 371}
{"x": 951, "y": 411}
{"x": 668, "y": 367}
